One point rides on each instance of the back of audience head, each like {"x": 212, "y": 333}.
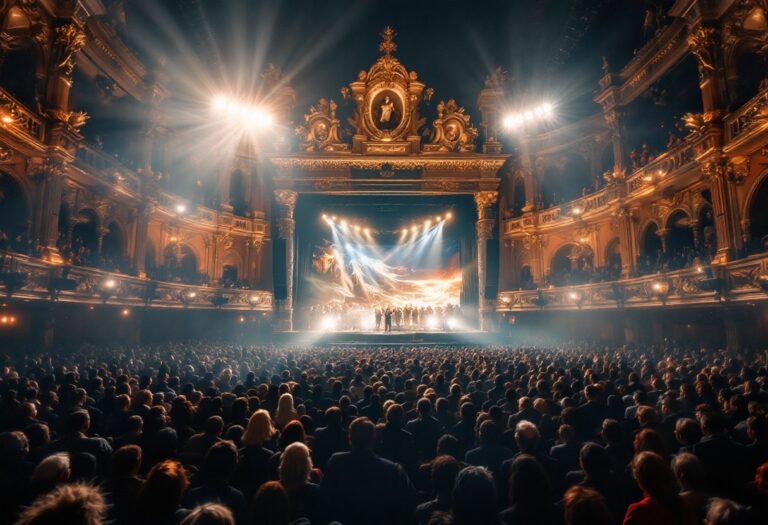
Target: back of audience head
{"x": 209, "y": 514}
{"x": 362, "y": 434}
{"x": 271, "y": 505}
{"x": 585, "y": 506}
{"x": 70, "y": 504}
{"x": 260, "y": 429}
{"x": 474, "y": 497}
{"x": 295, "y": 466}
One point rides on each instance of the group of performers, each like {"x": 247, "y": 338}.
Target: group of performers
{"x": 341, "y": 316}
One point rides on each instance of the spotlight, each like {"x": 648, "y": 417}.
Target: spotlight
{"x": 577, "y": 211}
{"x": 438, "y": 218}
{"x": 241, "y": 319}
{"x": 7, "y": 320}
{"x": 404, "y": 231}
{"x": 367, "y": 231}
{"x": 343, "y": 224}
{"x": 448, "y": 215}
{"x": 324, "y": 216}
{"x": 333, "y": 218}
{"x": 125, "y": 312}
{"x": 414, "y": 228}
{"x": 427, "y": 223}
{"x": 328, "y": 323}
{"x": 432, "y": 322}
{"x": 192, "y": 295}
{"x": 452, "y": 323}
{"x": 181, "y": 208}
{"x": 7, "y": 119}
{"x": 357, "y": 227}
{"x": 699, "y": 269}
{"x": 108, "y": 284}
{"x": 219, "y": 102}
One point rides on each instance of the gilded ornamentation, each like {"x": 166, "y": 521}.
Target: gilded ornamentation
{"x": 485, "y": 199}
{"x": 322, "y": 130}
{"x": 70, "y": 39}
{"x": 286, "y": 228}
{"x": 73, "y": 119}
{"x": 701, "y": 41}
{"x": 287, "y": 199}
{"x": 484, "y": 229}
{"x": 452, "y": 130}
{"x": 458, "y": 164}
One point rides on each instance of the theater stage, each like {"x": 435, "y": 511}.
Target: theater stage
{"x": 466, "y": 337}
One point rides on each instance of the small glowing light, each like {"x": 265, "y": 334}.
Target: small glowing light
{"x": 367, "y": 231}
{"x": 699, "y": 269}
{"x": 404, "y": 231}
{"x": 448, "y": 215}
{"x": 7, "y": 119}
{"x": 438, "y": 218}
{"x": 547, "y": 108}
{"x": 452, "y": 323}
{"x": 432, "y": 322}
{"x": 126, "y": 312}
{"x": 657, "y": 286}
{"x": 414, "y": 228}
{"x": 109, "y": 284}
{"x": 647, "y": 178}
{"x": 357, "y": 227}
{"x": 343, "y": 224}
{"x": 4, "y": 319}
{"x": 333, "y": 218}
{"x": 573, "y": 296}
{"x": 325, "y": 216}
{"x": 576, "y": 211}
{"x": 241, "y": 319}
{"x": 192, "y": 295}
{"x": 181, "y": 208}
{"x": 427, "y": 223}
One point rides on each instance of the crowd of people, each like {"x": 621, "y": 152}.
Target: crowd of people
{"x": 366, "y": 317}
{"x": 214, "y": 433}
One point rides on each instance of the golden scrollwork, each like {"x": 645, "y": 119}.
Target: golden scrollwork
{"x": 342, "y": 163}
{"x": 286, "y": 198}
{"x": 485, "y": 199}
{"x": 701, "y": 41}
{"x": 322, "y": 130}
{"x": 452, "y": 130}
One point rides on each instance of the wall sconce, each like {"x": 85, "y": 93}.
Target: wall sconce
{"x": 660, "y": 290}
{"x": 107, "y": 288}
{"x": 577, "y": 297}
{"x": 188, "y": 297}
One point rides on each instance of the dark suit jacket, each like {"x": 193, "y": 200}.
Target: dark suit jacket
{"x": 426, "y": 431}
{"x": 722, "y": 457}
{"x": 328, "y": 441}
{"x": 488, "y": 456}
{"x": 360, "y": 488}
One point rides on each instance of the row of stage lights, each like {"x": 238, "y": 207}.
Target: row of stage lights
{"x": 245, "y": 115}
{"x": 345, "y": 224}
{"x": 516, "y": 121}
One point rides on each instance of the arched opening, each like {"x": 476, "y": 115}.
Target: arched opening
{"x": 85, "y": 239}
{"x": 526, "y": 278}
{"x": 237, "y": 193}
{"x": 518, "y": 197}
{"x": 651, "y": 254}
{"x": 229, "y": 275}
{"x": 150, "y": 266}
{"x": 13, "y": 214}
{"x": 549, "y": 194}
{"x": 681, "y": 249}
{"x": 113, "y": 248}
{"x": 17, "y": 73}
{"x": 565, "y": 179}
{"x": 758, "y": 219}
{"x": 748, "y": 76}
{"x": 180, "y": 264}
{"x": 613, "y": 260}
{"x": 571, "y": 264}
{"x": 707, "y": 232}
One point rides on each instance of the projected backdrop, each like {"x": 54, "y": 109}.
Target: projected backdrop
{"x": 420, "y": 269}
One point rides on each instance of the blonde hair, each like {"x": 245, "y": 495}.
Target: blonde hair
{"x": 209, "y": 514}
{"x": 260, "y": 428}
{"x": 76, "y": 504}
{"x": 295, "y": 466}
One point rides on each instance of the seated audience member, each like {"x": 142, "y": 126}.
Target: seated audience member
{"x": 219, "y": 466}
{"x": 295, "y": 472}
{"x": 160, "y": 497}
{"x": 254, "y": 455}
{"x": 444, "y": 470}
{"x": 271, "y": 505}
{"x": 209, "y": 514}
{"x": 124, "y": 484}
{"x": 726, "y": 512}
{"x": 585, "y": 506}
{"x": 53, "y": 471}
{"x": 193, "y": 452}
{"x": 692, "y": 479}
{"x": 474, "y": 500}
{"x": 661, "y": 503}
{"x": 360, "y": 487}
{"x": 285, "y": 411}
{"x": 331, "y": 438}
{"x": 567, "y": 451}
{"x": 74, "y": 504}
{"x": 490, "y": 454}
{"x": 529, "y": 494}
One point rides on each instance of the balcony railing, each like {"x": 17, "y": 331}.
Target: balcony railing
{"x": 76, "y": 284}
{"x": 104, "y": 165}
{"x": 750, "y": 114}
{"x": 16, "y": 115}
{"x": 744, "y": 280}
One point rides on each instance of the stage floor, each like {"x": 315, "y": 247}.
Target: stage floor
{"x": 464, "y": 337}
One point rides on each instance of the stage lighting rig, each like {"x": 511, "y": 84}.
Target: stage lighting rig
{"x": 241, "y": 114}
{"x": 540, "y": 113}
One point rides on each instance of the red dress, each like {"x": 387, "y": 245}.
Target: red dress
{"x": 648, "y": 511}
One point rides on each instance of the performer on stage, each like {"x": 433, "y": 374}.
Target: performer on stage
{"x": 388, "y": 320}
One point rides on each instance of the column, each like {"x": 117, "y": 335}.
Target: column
{"x": 663, "y": 234}
{"x": 624, "y": 218}
{"x": 140, "y": 241}
{"x": 224, "y": 204}
{"x": 483, "y": 232}
{"x": 616, "y": 122}
{"x": 727, "y": 224}
{"x": 49, "y": 203}
{"x": 286, "y": 230}
{"x": 489, "y": 101}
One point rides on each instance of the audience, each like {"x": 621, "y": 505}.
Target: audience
{"x": 232, "y": 435}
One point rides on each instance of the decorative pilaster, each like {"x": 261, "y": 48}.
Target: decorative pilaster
{"x": 722, "y": 177}
{"x": 286, "y": 229}
{"x": 663, "y": 235}
{"x": 49, "y": 202}
{"x": 484, "y": 200}
{"x": 140, "y": 242}
{"x": 624, "y": 218}
{"x": 704, "y": 44}
{"x": 489, "y": 101}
